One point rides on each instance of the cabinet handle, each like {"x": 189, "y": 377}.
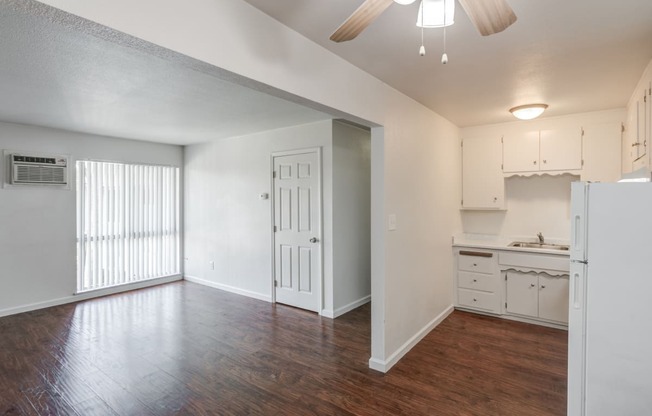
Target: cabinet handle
{"x": 545, "y": 161}
{"x": 475, "y": 300}
{"x": 475, "y": 264}
{"x": 495, "y": 198}
{"x": 475, "y": 253}
{"x": 535, "y": 162}
{"x": 543, "y": 286}
{"x": 475, "y": 280}
{"x": 532, "y": 285}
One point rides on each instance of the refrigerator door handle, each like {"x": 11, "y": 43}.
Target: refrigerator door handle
{"x": 577, "y": 243}
{"x": 576, "y": 290}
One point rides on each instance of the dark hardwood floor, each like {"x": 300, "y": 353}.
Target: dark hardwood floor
{"x": 186, "y": 349}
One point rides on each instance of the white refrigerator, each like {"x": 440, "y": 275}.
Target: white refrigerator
{"x": 610, "y": 310}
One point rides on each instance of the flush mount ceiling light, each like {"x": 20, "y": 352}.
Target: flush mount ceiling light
{"x": 528, "y": 111}
{"x": 404, "y": 2}
{"x": 436, "y": 13}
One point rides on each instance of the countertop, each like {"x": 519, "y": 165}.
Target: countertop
{"x": 496, "y": 242}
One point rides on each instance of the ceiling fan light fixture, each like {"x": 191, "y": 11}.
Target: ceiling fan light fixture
{"x": 404, "y": 2}
{"x": 436, "y": 13}
{"x": 528, "y": 111}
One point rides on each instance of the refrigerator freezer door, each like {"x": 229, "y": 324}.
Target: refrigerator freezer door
{"x": 579, "y": 205}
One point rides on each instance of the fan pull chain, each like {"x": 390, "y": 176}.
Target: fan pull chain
{"x": 444, "y": 56}
{"x": 422, "y": 49}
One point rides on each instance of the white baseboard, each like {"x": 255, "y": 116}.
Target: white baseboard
{"x": 89, "y": 295}
{"x": 227, "y": 288}
{"x": 329, "y": 313}
{"x": 384, "y": 366}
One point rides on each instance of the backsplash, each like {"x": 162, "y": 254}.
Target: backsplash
{"x": 534, "y": 204}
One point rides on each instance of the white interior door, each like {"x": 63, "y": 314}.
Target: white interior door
{"x": 297, "y": 225}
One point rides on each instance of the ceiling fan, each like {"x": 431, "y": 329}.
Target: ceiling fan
{"x": 488, "y": 16}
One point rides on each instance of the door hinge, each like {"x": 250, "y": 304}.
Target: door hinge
{"x": 274, "y": 174}
{"x": 622, "y": 127}
{"x": 462, "y": 143}
{"x": 274, "y": 228}
{"x": 505, "y": 305}
{"x": 275, "y": 283}
{"x": 502, "y": 166}
{"x": 582, "y": 162}
{"x": 462, "y": 202}
{"x": 501, "y": 139}
{"x": 582, "y": 131}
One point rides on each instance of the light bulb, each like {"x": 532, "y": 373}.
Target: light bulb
{"x": 422, "y": 51}
{"x": 444, "y": 58}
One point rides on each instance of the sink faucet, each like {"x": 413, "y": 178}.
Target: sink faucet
{"x": 540, "y": 237}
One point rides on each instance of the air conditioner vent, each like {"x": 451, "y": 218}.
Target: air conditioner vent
{"x": 37, "y": 170}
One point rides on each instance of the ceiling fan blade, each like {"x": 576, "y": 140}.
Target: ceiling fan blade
{"x": 489, "y": 16}
{"x": 360, "y": 19}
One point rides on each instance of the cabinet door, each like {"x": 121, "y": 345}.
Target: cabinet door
{"x": 641, "y": 144}
{"x": 553, "y": 297}
{"x": 602, "y": 152}
{"x": 521, "y": 152}
{"x": 483, "y": 184}
{"x": 561, "y": 149}
{"x": 522, "y": 293}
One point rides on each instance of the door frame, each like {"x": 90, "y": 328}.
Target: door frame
{"x": 320, "y": 210}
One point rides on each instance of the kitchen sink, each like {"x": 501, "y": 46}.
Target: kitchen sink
{"x": 543, "y": 246}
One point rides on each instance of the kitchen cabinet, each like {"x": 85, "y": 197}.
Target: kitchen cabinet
{"x": 537, "y": 295}
{"x": 601, "y": 152}
{"x": 521, "y": 152}
{"x": 483, "y": 185}
{"x": 545, "y": 150}
{"x": 478, "y": 281}
{"x": 638, "y": 130}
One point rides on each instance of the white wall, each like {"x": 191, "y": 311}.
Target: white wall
{"x": 417, "y": 179}
{"x": 542, "y": 203}
{"x": 226, "y": 222}
{"x": 38, "y": 225}
{"x": 351, "y": 217}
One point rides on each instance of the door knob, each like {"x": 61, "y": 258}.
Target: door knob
{"x": 313, "y": 240}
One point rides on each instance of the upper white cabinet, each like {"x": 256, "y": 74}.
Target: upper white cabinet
{"x": 483, "y": 185}
{"x": 560, "y": 149}
{"x": 521, "y": 152}
{"x": 545, "y": 150}
{"x": 601, "y": 152}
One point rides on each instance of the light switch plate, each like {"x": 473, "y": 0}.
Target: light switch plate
{"x": 391, "y": 222}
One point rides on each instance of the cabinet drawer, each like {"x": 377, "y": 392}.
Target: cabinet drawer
{"x": 475, "y": 262}
{"x": 477, "y": 281}
{"x": 478, "y": 300}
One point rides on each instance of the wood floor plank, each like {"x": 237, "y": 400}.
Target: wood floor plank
{"x": 185, "y": 349}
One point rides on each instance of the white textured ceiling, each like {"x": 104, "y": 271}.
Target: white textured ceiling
{"x": 575, "y": 55}
{"x": 58, "y": 76}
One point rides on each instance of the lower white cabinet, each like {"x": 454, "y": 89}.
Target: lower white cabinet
{"x": 478, "y": 281}
{"x": 537, "y": 295}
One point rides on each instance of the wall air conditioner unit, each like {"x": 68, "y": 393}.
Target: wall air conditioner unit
{"x": 29, "y": 169}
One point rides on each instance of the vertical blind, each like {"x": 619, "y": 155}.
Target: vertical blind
{"x": 127, "y": 223}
